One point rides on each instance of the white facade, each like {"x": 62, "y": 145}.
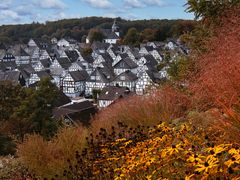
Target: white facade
{"x": 63, "y": 43}
{"x": 104, "y": 103}
{"x": 72, "y": 88}
{"x": 143, "y": 83}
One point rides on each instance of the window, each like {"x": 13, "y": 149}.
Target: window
{"x": 93, "y": 78}
{"x": 122, "y": 78}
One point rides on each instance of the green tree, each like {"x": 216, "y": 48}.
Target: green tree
{"x": 132, "y": 37}
{"x": 209, "y": 8}
{"x": 34, "y": 115}
{"x": 95, "y": 35}
{"x": 10, "y": 98}
{"x": 7, "y": 146}
{"x": 179, "y": 69}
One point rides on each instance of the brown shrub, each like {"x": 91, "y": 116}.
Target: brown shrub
{"x": 46, "y": 158}
{"x": 219, "y": 127}
{"x": 159, "y": 105}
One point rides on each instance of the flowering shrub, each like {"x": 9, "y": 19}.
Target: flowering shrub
{"x": 163, "y": 151}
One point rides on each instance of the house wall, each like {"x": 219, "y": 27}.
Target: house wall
{"x": 104, "y": 103}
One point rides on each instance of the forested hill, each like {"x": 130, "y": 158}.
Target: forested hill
{"x": 77, "y": 28}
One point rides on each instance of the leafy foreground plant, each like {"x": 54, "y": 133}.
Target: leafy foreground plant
{"x": 164, "y": 151}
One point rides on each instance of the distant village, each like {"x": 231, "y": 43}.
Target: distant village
{"x": 114, "y": 71}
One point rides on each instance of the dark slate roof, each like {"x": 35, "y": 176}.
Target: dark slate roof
{"x": 23, "y": 52}
{"x": 20, "y": 52}
{"x": 72, "y": 55}
{"x": 154, "y": 75}
{"x": 149, "y": 48}
{"x": 71, "y": 40}
{"x": 42, "y": 44}
{"x": 124, "y": 55}
{"x": 51, "y": 52}
{"x": 127, "y": 62}
{"x": 115, "y": 48}
{"x": 151, "y": 61}
{"x": 88, "y": 59}
{"x": 64, "y": 62}
{"x": 82, "y": 111}
{"x": 12, "y": 76}
{"x": 108, "y": 59}
{"x": 26, "y": 70}
{"x": 106, "y": 74}
{"x": 134, "y": 52}
{"x": 43, "y": 74}
{"x": 129, "y": 77}
{"x": 61, "y": 100}
{"x": 109, "y": 34}
{"x": 46, "y": 62}
{"x": 3, "y": 46}
{"x": 79, "y": 75}
{"x": 112, "y": 93}
{"x": 8, "y": 64}
{"x": 98, "y": 45}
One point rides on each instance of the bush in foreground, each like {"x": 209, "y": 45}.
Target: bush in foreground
{"x": 164, "y": 151}
{"x": 46, "y": 158}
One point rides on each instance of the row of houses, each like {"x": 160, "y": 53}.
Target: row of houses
{"x": 109, "y": 65}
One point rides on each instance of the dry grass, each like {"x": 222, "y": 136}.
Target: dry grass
{"x": 49, "y": 157}
{"x": 159, "y": 105}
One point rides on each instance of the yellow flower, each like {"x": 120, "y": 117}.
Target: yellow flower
{"x": 120, "y": 140}
{"x": 189, "y": 177}
{"x": 218, "y": 149}
{"x": 171, "y": 150}
{"x": 233, "y": 160}
{"x": 112, "y": 159}
{"x": 196, "y": 158}
{"x": 127, "y": 143}
{"x": 210, "y": 163}
{"x": 234, "y": 151}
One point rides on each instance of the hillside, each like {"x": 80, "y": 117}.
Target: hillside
{"x": 77, "y": 28}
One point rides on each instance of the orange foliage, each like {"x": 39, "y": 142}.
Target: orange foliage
{"x": 159, "y": 105}
{"x": 217, "y": 82}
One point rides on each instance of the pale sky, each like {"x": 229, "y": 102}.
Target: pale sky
{"x": 27, "y": 11}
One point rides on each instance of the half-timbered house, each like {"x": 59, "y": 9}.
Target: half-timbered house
{"x": 111, "y": 94}
{"x": 73, "y": 84}
{"x": 43, "y": 64}
{"x": 126, "y": 79}
{"x": 100, "y": 78}
{"x": 124, "y": 65}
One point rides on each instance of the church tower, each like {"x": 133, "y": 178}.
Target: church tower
{"x": 115, "y": 28}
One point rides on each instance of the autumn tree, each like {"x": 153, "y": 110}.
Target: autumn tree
{"x": 147, "y": 35}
